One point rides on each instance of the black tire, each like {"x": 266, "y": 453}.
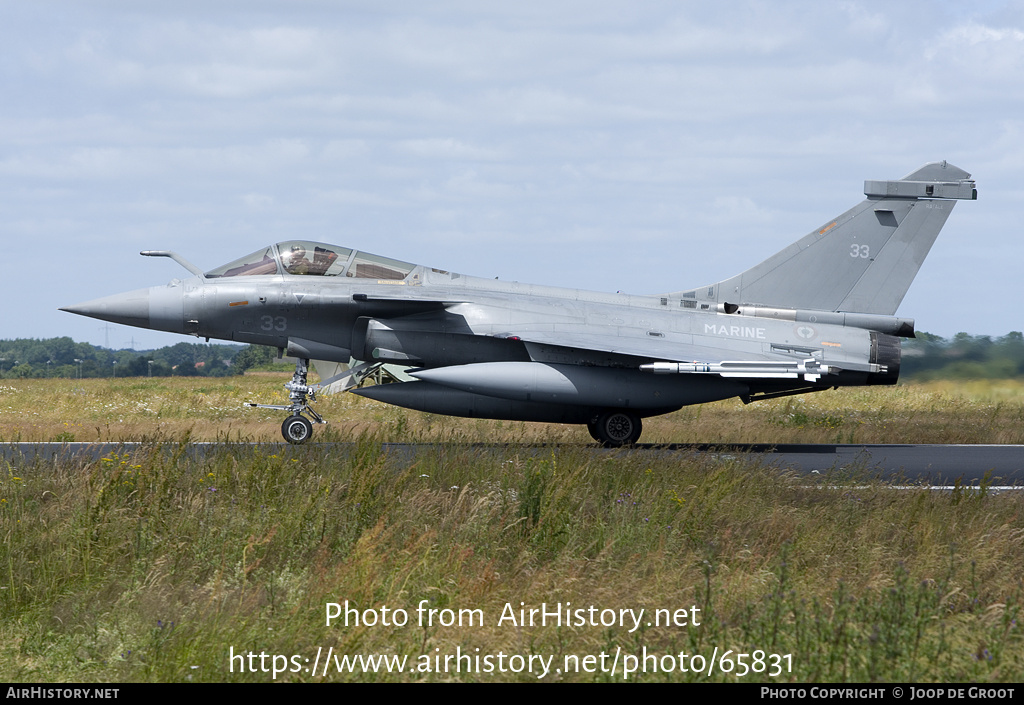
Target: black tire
{"x": 592, "y": 428}
{"x": 296, "y": 429}
{"x": 615, "y": 429}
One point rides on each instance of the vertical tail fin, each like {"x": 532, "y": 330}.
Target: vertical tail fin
{"x": 864, "y": 260}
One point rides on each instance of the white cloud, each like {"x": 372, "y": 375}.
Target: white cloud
{"x": 257, "y": 200}
{"x": 973, "y": 34}
{"x": 446, "y": 148}
{"x": 355, "y": 197}
{"x": 344, "y": 150}
{"x": 863, "y": 21}
{"x": 736, "y": 209}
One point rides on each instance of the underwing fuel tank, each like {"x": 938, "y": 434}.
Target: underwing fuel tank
{"x": 577, "y": 385}
{"x": 436, "y": 399}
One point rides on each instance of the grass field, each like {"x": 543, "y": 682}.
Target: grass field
{"x": 156, "y": 566}
{"x": 209, "y": 409}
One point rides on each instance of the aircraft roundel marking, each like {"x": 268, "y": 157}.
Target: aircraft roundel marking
{"x": 805, "y": 332}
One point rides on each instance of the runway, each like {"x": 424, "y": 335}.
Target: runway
{"x": 935, "y": 465}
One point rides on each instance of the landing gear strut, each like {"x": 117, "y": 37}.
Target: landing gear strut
{"x": 615, "y": 428}
{"x": 297, "y": 428}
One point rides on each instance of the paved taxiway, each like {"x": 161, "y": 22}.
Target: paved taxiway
{"x": 936, "y": 465}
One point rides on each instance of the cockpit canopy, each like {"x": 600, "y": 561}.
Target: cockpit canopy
{"x": 304, "y": 258}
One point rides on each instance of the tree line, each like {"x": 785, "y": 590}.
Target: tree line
{"x": 63, "y": 357}
{"x": 963, "y": 356}
{"x": 925, "y": 357}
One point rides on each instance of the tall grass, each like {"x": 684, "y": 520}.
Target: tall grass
{"x": 210, "y": 409}
{"x": 156, "y": 565}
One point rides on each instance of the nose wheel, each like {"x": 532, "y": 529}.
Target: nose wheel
{"x": 296, "y": 429}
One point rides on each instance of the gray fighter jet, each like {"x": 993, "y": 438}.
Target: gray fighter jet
{"x": 817, "y": 315}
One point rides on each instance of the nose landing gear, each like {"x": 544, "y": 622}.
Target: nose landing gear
{"x": 297, "y": 428}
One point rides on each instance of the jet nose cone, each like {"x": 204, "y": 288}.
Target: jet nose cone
{"x": 130, "y": 308}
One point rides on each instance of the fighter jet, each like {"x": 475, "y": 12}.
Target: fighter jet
{"x": 819, "y": 314}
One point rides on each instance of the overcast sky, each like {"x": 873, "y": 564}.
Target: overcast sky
{"x": 634, "y": 146}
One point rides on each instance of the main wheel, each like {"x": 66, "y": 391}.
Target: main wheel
{"x": 296, "y": 429}
{"x": 615, "y": 429}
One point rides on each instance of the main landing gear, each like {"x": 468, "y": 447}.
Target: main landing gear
{"x": 615, "y": 428}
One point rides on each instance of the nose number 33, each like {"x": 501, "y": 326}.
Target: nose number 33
{"x": 273, "y": 323}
